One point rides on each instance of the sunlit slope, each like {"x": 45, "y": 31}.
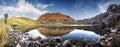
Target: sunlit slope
{"x": 21, "y": 21}
{"x": 23, "y": 24}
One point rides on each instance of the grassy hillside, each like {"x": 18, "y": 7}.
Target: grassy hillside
{"x": 22, "y": 23}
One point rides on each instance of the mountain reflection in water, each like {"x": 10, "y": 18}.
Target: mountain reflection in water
{"x": 75, "y": 34}
{"x": 53, "y": 31}
{"x": 59, "y": 31}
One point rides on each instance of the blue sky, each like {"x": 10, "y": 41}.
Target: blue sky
{"x": 77, "y": 9}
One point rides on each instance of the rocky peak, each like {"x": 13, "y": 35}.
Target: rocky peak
{"x": 114, "y": 8}
{"x": 58, "y": 13}
{"x": 112, "y": 15}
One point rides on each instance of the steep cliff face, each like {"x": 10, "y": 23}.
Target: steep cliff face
{"x": 110, "y": 17}
{"x": 114, "y": 8}
{"x": 54, "y": 17}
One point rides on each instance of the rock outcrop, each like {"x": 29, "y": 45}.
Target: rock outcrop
{"x": 114, "y": 8}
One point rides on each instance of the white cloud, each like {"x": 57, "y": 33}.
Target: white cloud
{"x": 43, "y": 6}
{"x": 23, "y": 8}
{"x": 104, "y": 5}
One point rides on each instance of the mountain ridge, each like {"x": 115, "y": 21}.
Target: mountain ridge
{"x": 109, "y": 18}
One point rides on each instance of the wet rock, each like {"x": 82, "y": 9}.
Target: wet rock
{"x": 67, "y": 43}
{"x": 105, "y": 42}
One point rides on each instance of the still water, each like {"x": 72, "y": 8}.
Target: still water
{"x": 74, "y": 33}
{"x": 82, "y": 35}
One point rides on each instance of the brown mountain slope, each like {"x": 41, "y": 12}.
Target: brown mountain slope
{"x": 54, "y": 17}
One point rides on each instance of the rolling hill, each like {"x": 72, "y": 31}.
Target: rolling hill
{"x": 23, "y": 24}
{"x": 54, "y": 17}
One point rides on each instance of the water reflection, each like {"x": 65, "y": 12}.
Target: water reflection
{"x": 75, "y": 33}
{"x": 53, "y": 31}
{"x": 59, "y": 31}
{"x": 82, "y": 35}
{"x": 35, "y": 33}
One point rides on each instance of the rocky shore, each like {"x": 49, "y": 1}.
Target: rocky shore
{"x": 108, "y": 39}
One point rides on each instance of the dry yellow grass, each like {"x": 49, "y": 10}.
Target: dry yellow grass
{"x": 23, "y": 24}
{"x": 3, "y": 34}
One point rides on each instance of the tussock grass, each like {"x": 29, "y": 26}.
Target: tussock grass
{"x": 3, "y": 34}
{"x": 22, "y": 24}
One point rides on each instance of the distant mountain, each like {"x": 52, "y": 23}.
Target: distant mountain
{"x": 110, "y": 17}
{"x": 54, "y": 17}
